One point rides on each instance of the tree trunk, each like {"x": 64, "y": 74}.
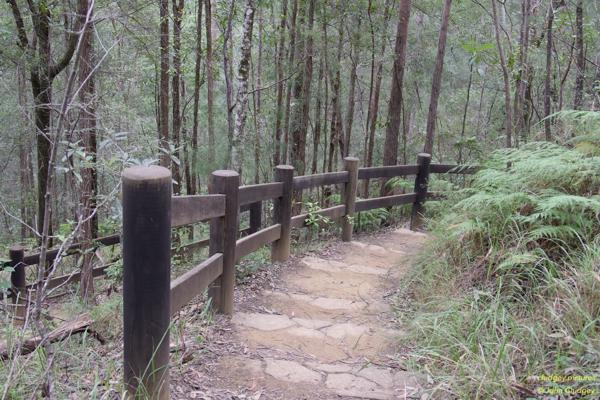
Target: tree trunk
{"x": 390, "y": 152}
{"x": 351, "y": 88}
{"x": 293, "y": 49}
{"x": 163, "y": 94}
{"x": 519, "y": 105}
{"x": 547, "y": 88}
{"x": 374, "y": 94}
{"x": 280, "y": 84}
{"x": 210, "y": 85}
{"x": 299, "y": 123}
{"x": 337, "y": 129}
{"x": 228, "y": 76}
{"x": 505, "y": 76}
{"x": 89, "y": 181}
{"x": 317, "y": 129}
{"x": 437, "y": 79}
{"x": 193, "y": 184}
{"x": 580, "y": 77}
{"x": 257, "y": 101}
{"x": 176, "y": 88}
{"x": 237, "y": 154}
{"x": 464, "y": 118}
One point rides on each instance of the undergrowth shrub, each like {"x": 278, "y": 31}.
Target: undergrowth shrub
{"x": 508, "y": 288}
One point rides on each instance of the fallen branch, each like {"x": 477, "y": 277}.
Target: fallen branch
{"x": 78, "y": 325}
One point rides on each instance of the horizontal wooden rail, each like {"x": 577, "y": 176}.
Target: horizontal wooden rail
{"x": 195, "y": 281}
{"x": 382, "y": 202}
{"x": 332, "y": 212}
{"x": 453, "y": 169}
{"x": 264, "y": 191}
{"x": 328, "y": 178}
{"x": 250, "y": 243}
{"x": 34, "y": 259}
{"x": 70, "y": 278}
{"x": 193, "y": 209}
{"x": 389, "y": 171}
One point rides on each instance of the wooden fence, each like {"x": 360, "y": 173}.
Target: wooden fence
{"x": 150, "y": 298}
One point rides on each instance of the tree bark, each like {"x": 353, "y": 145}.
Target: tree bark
{"x": 547, "y": 82}
{"x": 176, "y": 89}
{"x": 280, "y": 84}
{"x": 505, "y": 76}
{"x": 437, "y": 79}
{"x": 237, "y": 154}
{"x": 374, "y": 94}
{"x": 210, "y": 85}
{"x": 163, "y": 94}
{"x": 390, "y": 152}
{"x": 89, "y": 179}
{"x": 193, "y": 184}
{"x": 228, "y": 75}
{"x": 291, "y": 67}
{"x": 580, "y": 77}
{"x": 301, "y": 108}
{"x": 352, "y": 87}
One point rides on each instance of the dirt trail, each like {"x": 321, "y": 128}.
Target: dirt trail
{"x": 323, "y": 330}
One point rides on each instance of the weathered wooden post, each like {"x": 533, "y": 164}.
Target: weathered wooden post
{"x": 421, "y": 180}
{"x": 349, "y": 196}
{"x": 146, "y": 246}
{"x": 17, "y": 280}
{"x": 223, "y": 235}
{"x": 282, "y": 213}
{"x": 255, "y": 217}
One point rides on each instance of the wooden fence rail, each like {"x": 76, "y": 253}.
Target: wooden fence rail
{"x": 149, "y": 213}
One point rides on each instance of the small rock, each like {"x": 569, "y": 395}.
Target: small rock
{"x": 290, "y": 371}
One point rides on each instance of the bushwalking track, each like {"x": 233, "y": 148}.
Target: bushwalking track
{"x": 321, "y": 328}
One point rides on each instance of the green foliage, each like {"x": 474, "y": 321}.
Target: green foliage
{"x": 508, "y": 287}
{"x": 371, "y": 219}
{"x": 315, "y": 222}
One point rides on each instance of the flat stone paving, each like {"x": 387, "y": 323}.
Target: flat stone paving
{"x": 326, "y": 332}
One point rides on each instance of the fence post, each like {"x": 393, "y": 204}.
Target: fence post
{"x": 146, "y": 246}
{"x": 421, "y": 180}
{"x": 17, "y": 280}
{"x": 223, "y": 236}
{"x": 255, "y": 217}
{"x": 350, "y": 165}
{"x": 282, "y": 213}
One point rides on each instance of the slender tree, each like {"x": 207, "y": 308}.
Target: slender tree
{"x": 163, "y": 92}
{"x": 280, "y": 84}
{"x": 89, "y": 178}
{"x": 548, "y": 80}
{"x": 193, "y": 181}
{"x": 580, "y": 54}
{"x": 390, "y": 152}
{"x": 210, "y": 85}
{"x": 176, "y": 82}
{"x": 237, "y": 154}
{"x": 505, "y": 76}
{"x": 437, "y": 79}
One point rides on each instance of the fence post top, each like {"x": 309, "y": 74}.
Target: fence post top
{"x": 351, "y": 159}
{"x": 284, "y": 167}
{"x": 16, "y": 250}
{"x": 146, "y": 173}
{"x": 424, "y": 155}
{"x": 225, "y": 173}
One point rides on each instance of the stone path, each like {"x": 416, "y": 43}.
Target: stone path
{"x": 325, "y": 331}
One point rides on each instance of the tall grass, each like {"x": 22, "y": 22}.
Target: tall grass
{"x": 508, "y": 288}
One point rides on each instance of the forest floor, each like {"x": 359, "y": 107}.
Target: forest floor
{"x": 320, "y": 326}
